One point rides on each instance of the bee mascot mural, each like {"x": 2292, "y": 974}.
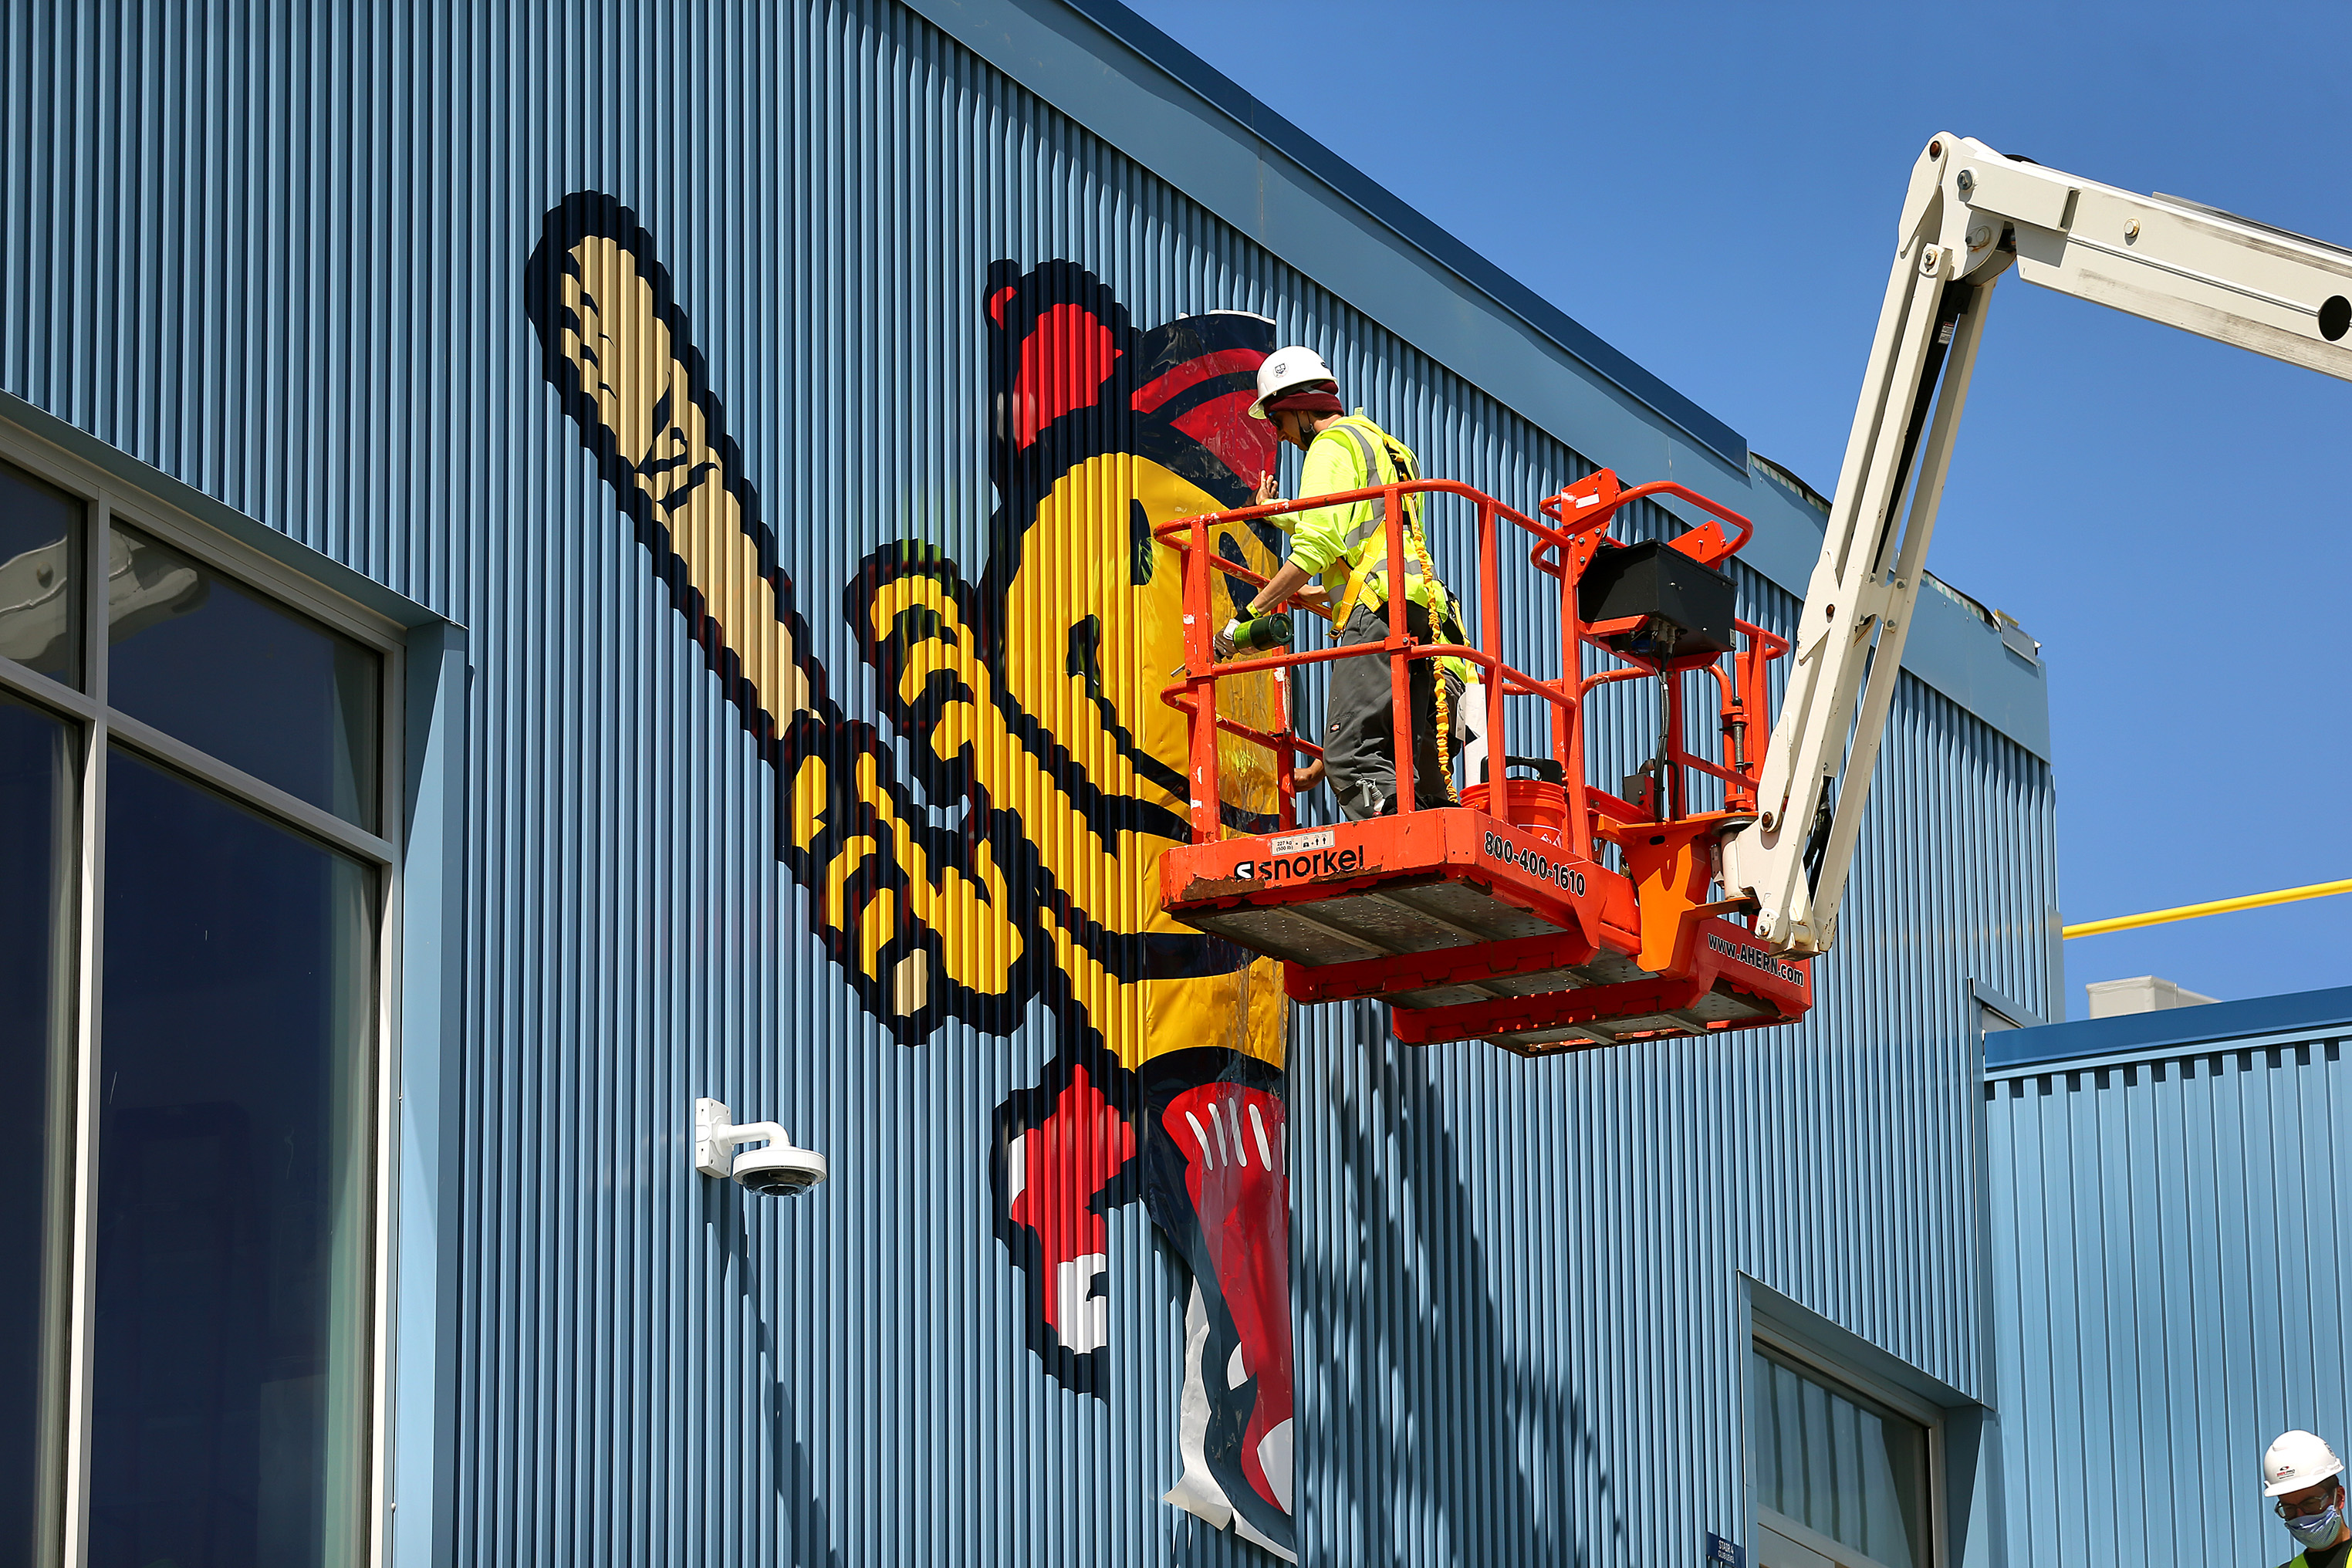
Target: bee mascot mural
{"x": 1010, "y": 868}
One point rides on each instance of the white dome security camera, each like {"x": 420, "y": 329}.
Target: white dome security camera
{"x": 782, "y": 1169}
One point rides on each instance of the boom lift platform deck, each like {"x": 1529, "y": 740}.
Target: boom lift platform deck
{"x": 1501, "y": 917}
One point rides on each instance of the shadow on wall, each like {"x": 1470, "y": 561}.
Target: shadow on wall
{"x": 1426, "y": 1442}
{"x": 801, "y": 1517}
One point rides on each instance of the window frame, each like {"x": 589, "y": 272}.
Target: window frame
{"x": 105, "y": 500}
{"x": 1810, "y": 1360}
{"x": 1992, "y": 1013}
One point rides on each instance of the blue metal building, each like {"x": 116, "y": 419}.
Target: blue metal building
{"x": 2167, "y": 1221}
{"x": 306, "y": 308}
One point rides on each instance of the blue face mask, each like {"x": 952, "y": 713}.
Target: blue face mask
{"x": 2316, "y": 1529}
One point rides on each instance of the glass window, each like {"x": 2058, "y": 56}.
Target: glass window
{"x": 209, "y": 662}
{"x": 198, "y": 1318}
{"x": 40, "y": 613}
{"x": 1839, "y": 1466}
{"x": 36, "y": 952}
{"x": 230, "y": 1347}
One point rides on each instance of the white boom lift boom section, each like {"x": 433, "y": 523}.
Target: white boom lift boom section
{"x": 1971, "y": 214}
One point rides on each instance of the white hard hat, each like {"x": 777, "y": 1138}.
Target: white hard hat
{"x": 2297, "y": 1462}
{"x": 1283, "y": 369}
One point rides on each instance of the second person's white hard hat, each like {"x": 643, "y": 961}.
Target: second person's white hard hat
{"x": 1286, "y": 368}
{"x": 2297, "y": 1461}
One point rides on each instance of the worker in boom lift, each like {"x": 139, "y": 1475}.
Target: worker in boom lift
{"x": 2307, "y": 1479}
{"x": 1347, "y": 546}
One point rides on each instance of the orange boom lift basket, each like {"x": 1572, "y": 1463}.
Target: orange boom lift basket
{"x": 1544, "y": 915}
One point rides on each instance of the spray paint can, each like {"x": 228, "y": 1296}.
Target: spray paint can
{"x": 1261, "y": 633}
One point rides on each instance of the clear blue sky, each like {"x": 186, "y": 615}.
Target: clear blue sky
{"x": 1713, "y": 188}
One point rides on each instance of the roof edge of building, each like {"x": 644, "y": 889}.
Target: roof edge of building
{"x": 1408, "y": 224}
{"x": 2130, "y": 1037}
{"x": 983, "y": 26}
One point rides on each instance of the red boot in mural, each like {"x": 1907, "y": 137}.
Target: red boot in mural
{"x": 1060, "y": 1148}
{"x": 1219, "y": 1186}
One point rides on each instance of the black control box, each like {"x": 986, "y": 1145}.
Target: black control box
{"x": 1651, "y": 579}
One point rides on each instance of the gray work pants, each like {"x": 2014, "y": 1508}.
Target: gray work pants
{"x": 1360, "y": 741}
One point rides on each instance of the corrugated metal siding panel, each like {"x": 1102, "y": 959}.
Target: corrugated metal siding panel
{"x": 2170, "y": 1297}
{"x": 1540, "y": 1260}
{"x": 279, "y": 257}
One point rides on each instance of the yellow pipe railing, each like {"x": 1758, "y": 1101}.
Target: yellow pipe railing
{"x": 2217, "y": 907}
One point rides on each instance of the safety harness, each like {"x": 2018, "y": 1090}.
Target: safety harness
{"x": 1363, "y": 562}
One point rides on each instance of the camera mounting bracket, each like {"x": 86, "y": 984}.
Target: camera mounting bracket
{"x": 717, "y": 1136}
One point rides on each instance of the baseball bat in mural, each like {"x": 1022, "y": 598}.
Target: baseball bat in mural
{"x": 1013, "y": 865}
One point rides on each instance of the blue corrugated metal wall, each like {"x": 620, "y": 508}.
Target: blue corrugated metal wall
{"x": 279, "y": 257}
{"x": 2170, "y": 1234}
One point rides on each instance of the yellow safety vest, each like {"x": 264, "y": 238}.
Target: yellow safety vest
{"x": 1365, "y": 547}
{"x": 2303, "y": 1559}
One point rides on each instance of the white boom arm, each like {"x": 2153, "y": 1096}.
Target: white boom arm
{"x": 1971, "y": 213}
